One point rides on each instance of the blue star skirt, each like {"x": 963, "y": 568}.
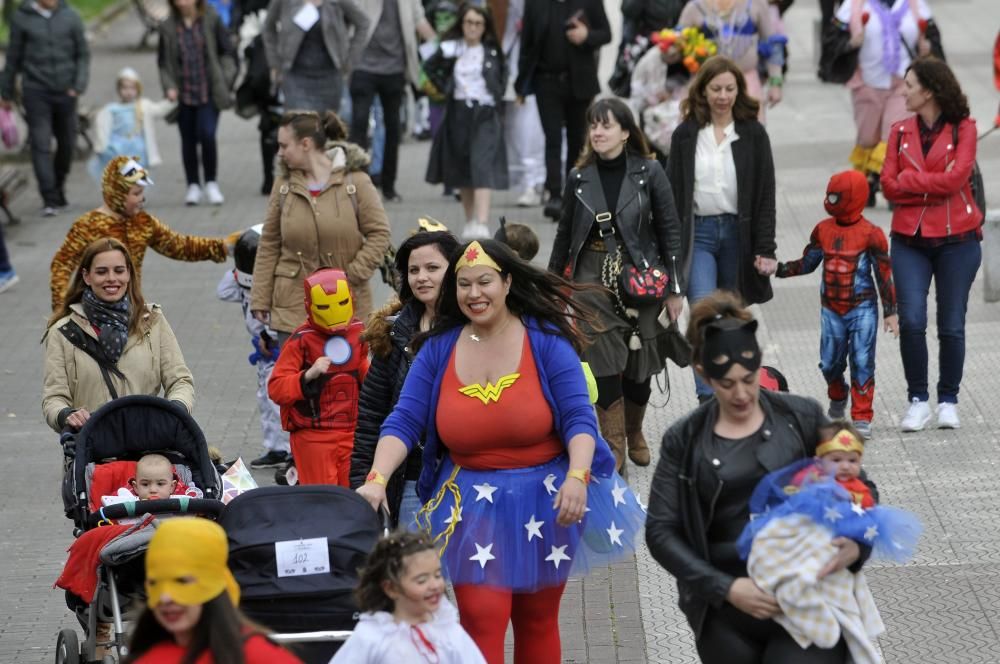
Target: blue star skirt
{"x": 498, "y": 527}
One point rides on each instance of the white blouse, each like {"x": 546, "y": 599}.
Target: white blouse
{"x": 715, "y": 172}
{"x": 469, "y": 82}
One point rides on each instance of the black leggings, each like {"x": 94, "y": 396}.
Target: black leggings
{"x": 730, "y": 636}
{"x": 612, "y": 388}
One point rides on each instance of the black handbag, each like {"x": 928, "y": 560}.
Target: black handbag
{"x": 838, "y": 60}
{"x": 975, "y": 178}
{"x": 637, "y": 285}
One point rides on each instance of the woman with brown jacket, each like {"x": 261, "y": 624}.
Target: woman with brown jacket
{"x": 324, "y": 212}
{"x": 105, "y": 342}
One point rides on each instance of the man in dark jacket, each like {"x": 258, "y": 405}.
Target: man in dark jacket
{"x": 49, "y": 51}
{"x": 558, "y": 64}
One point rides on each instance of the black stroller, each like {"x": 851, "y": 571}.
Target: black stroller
{"x": 125, "y": 429}
{"x": 296, "y": 551}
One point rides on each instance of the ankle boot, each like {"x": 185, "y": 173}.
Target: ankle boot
{"x": 612, "y": 421}
{"x": 638, "y": 450}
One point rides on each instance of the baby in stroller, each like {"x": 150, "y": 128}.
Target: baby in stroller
{"x": 137, "y": 443}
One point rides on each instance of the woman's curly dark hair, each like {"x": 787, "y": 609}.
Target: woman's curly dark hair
{"x": 387, "y": 562}
{"x": 534, "y": 293}
{"x": 443, "y": 240}
{"x": 936, "y": 77}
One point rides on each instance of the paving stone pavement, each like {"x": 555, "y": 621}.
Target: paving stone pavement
{"x": 942, "y": 607}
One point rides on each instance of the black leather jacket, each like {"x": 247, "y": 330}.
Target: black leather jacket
{"x": 379, "y": 395}
{"x": 645, "y": 219}
{"x": 685, "y": 481}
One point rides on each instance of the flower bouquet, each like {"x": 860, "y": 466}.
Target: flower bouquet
{"x": 692, "y": 44}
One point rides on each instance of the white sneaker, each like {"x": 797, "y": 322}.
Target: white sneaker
{"x": 193, "y": 195}
{"x": 917, "y": 416}
{"x": 947, "y": 416}
{"x": 475, "y": 230}
{"x": 530, "y": 198}
{"x": 215, "y": 196}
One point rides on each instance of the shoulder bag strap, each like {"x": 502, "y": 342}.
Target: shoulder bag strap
{"x": 79, "y": 339}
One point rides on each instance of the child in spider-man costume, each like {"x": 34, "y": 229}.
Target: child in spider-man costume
{"x": 317, "y": 379}
{"x": 855, "y": 257}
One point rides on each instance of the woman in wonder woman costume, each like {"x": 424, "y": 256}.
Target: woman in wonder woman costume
{"x": 519, "y": 489}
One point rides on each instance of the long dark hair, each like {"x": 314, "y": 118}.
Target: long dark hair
{"x": 936, "y": 77}
{"x": 696, "y": 105}
{"x": 74, "y": 291}
{"x": 221, "y": 630}
{"x": 489, "y": 33}
{"x": 445, "y": 242}
{"x": 535, "y": 293}
{"x": 614, "y": 107}
{"x": 386, "y": 563}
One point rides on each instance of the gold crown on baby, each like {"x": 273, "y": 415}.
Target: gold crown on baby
{"x": 474, "y": 255}
{"x": 842, "y": 441}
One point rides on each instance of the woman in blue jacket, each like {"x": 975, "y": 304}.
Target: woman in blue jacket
{"x": 519, "y": 489}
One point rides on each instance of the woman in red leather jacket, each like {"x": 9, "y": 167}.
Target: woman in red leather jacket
{"x": 936, "y": 231}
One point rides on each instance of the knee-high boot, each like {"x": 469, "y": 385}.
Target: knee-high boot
{"x": 638, "y": 450}
{"x": 612, "y": 421}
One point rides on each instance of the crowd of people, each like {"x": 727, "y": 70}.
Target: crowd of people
{"x": 493, "y": 405}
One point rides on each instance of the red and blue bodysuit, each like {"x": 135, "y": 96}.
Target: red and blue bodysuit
{"x": 855, "y": 257}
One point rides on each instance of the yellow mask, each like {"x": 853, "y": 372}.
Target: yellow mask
{"x": 186, "y": 562}
{"x": 329, "y": 300}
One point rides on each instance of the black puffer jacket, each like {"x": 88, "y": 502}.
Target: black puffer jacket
{"x": 388, "y": 333}
{"x": 685, "y": 480}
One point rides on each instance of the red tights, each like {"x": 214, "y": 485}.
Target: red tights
{"x": 485, "y": 613}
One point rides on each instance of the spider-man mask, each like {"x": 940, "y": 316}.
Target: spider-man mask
{"x": 328, "y": 300}
{"x": 846, "y": 195}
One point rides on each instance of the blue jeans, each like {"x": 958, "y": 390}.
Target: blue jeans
{"x": 410, "y": 505}
{"x": 953, "y": 267}
{"x": 715, "y": 263}
{"x": 197, "y": 125}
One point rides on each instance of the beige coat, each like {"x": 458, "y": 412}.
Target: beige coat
{"x": 150, "y": 362}
{"x": 302, "y": 234}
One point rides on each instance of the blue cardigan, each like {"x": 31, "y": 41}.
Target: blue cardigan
{"x": 559, "y": 372}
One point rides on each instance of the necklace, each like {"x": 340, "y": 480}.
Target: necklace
{"x": 478, "y": 338}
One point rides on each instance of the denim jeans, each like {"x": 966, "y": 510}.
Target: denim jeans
{"x": 410, "y": 505}
{"x": 715, "y": 263}
{"x": 197, "y": 125}
{"x": 50, "y": 114}
{"x": 953, "y": 267}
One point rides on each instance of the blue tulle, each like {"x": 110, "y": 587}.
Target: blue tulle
{"x": 891, "y": 533}
{"x": 508, "y": 537}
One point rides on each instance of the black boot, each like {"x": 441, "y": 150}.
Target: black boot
{"x": 553, "y": 208}
{"x": 268, "y": 151}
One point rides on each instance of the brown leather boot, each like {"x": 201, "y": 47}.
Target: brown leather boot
{"x": 638, "y": 450}
{"x": 612, "y": 421}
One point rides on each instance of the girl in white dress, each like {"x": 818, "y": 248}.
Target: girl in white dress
{"x": 407, "y": 616}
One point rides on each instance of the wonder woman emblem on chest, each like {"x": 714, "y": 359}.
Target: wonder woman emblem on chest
{"x": 491, "y": 391}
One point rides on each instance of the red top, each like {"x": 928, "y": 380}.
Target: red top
{"x": 507, "y": 425}
{"x": 932, "y": 194}
{"x": 256, "y": 650}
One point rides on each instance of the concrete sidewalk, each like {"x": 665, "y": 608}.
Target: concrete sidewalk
{"x": 942, "y": 607}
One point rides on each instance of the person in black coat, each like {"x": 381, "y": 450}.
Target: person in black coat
{"x": 558, "y": 64}
{"x": 617, "y": 178}
{"x": 423, "y": 259}
{"x": 722, "y": 174}
{"x": 709, "y": 465}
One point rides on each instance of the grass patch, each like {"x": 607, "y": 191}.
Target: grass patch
{"x": 88, "y": 9}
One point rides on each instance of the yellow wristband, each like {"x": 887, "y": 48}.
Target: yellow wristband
{"x": 582, "y": 474}
{"x": 375, "y": 477}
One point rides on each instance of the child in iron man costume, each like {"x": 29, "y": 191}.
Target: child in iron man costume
{"x": 317, "y": 380}
{"x": 851, "y": 249}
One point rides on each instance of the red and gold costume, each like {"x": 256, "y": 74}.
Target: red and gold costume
{"x": 321, "y": 414}
{"x": 137, "y": 232}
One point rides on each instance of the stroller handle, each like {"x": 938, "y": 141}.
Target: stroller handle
{"x": 137, "y": 508}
